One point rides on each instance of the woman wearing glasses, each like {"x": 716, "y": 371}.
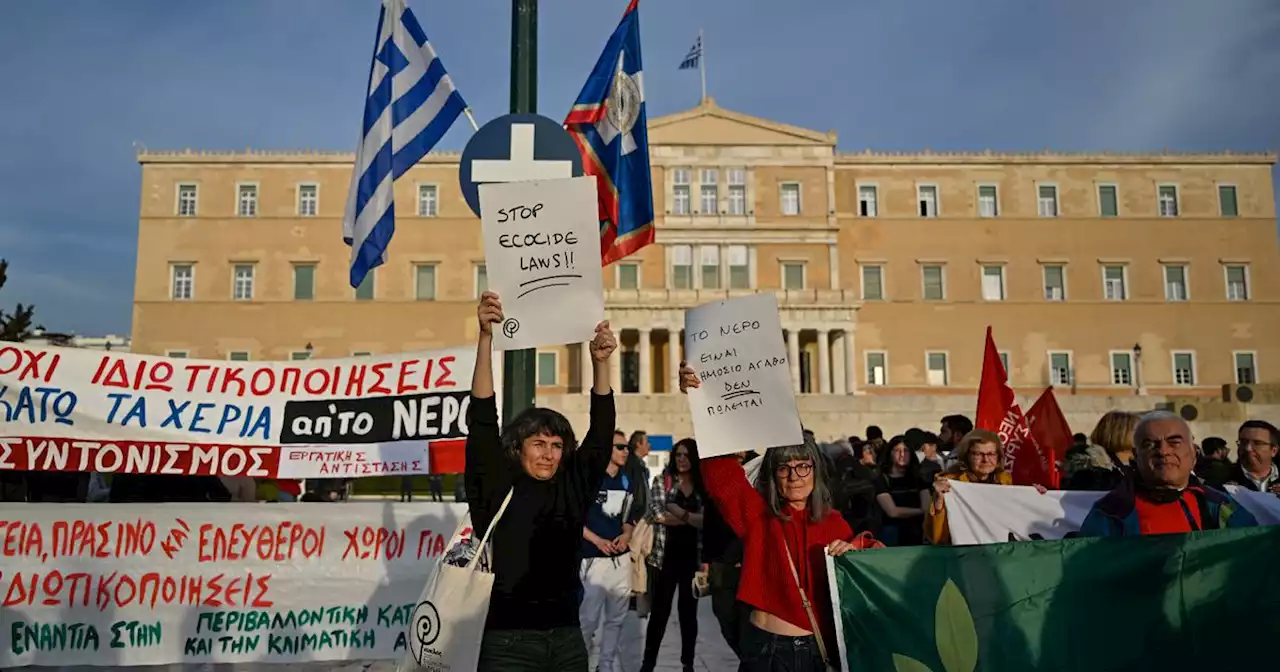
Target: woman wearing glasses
{"x": 979, "y": 459}
{"x": 786, "y": 524}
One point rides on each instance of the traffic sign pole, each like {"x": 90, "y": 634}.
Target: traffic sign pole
{"x": 518, "y": 365}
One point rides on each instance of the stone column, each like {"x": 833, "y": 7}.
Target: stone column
{"x": 824, "y": 362}
{"x": 673, "y": 361}
{"x": 838, "y": 364}
{"x": 615, "y": 365}
{"x": 793, "y": 357}
{"x": 850, "y": 368}
{"x": 646, "y": 362}
{"x": 584, "y": 358}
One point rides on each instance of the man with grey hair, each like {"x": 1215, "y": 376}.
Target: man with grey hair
{"x": 1165, "y": 498}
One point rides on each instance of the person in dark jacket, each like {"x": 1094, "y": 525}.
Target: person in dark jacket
{"x": 1102, "y": 471}
{"x": 722, "y": 558}
{"x": 1214, "y": 466}
{"x": 1255, "y": 467}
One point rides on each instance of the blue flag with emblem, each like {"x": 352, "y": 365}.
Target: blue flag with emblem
{"x": 609, "y": 125}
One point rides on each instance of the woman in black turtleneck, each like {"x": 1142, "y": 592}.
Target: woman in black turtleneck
{"x": 533, "y": 613}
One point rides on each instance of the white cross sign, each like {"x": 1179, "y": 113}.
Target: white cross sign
{"x": 521, "y": 166}
{"x": 517, "y": 148}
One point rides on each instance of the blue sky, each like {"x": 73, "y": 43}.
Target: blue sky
{"x": 82, "y": 80}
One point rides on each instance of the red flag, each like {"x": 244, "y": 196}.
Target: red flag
{"x": 999, "y": 412}
{"x": 1049, "y": 426}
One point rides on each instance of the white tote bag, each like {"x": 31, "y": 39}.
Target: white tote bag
{"x": 447, "y": 625}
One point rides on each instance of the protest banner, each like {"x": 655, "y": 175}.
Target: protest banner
{"x": 989, "y": 514}
{"x": 68, "y": 409}
{"x": 126, "y": 584}
{"x": 1161, "y": 602}
{"x": 746, "y": 401}
{"x": 542, "y": 252}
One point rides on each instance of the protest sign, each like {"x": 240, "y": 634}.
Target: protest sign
{"x": 125, "y": 584}
{"x": 746, "y": 401}
{"x": 542, "y": 252}
{"x": 68, "y": 409}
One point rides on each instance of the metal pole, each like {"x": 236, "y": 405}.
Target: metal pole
{"x": 702, "y": 63}
{"x": 518, "y": 365}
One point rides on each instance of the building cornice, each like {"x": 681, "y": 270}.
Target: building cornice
{"x": 990, "y": 157}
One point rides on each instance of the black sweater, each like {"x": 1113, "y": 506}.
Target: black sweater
{"x": 537, "y": 543}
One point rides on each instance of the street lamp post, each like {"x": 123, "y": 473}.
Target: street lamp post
{"x": 1137, "y": 369}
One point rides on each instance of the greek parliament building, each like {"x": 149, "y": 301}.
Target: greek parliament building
{"x": 1124, "y": 278}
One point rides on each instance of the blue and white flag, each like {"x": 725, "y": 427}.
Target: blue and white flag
{"x": 694, "y": 55}
{"x": 411, "y": 103}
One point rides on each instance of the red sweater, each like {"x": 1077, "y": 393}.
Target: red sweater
{"x": 766, "y": 582}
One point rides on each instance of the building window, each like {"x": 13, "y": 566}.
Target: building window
{"x": 793, "y": 275}
{"x": 365, "y": 291}
{"x": 1246, "y": 369}
{"x": 1060, "y": 368}
{"x": 304, "y": 282}
{"x": 1122, "y": 368}
{"x": 242, "y": 282}
{"x": 1004, "y": 362}
{"x": 1168, "y": 196}
{"x": 872, "y": 283}
{"x": 987, "y": 202}
{"x": 1047, "y": 200}
{"x": 680, "y": 191}
{"x": 183, "y": 278}
{"x": 1114, "y": 287}
{"x": 1055, "y": 283}
{"x": 737, "y": 191}
{"x": 187, "y": 200}
{"x": 176, "y": 354}
{"x": 1184, "y": 368}
{"x": 1175, "y": 283}
{"x": 934, "y": 284}
{"x": 300, "y": 355}
{"x": 682, "y": 267}
{"x": 1237, "y": 283}
{"x": 739, "y": 267}
{"x": 548, "y": 369}
{"x": 993, "y": 283}
{"x": 308, "y": 200}
{"x": 238, "y": 356}
{"x": 628, "y": 276}
{"x": 1108, "y": 200}
{"x": 710, "y": 257}
{"x": 1227, "y": 206}
{"x": 482, "y": 279}
{"x": 867, "y": 198}
{"x": 927, "y": 198}
{"x": 428, "y": 200}
{"x": 790, "y": 198}
{"x": 247, "y": 200}
{"x": 936, "y": 365}
{"x": 709, "y": 191}
{"x": 424, "y": 282}
{"x": 877, "y": 368}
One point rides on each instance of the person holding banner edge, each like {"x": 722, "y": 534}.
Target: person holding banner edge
{"x": 533, "y": 620}
{"x": 787, "y": 515}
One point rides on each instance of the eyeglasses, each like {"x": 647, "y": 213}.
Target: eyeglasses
{"x": 985, "y": 456}
{"x": 800, "y": 470}
{"x": 620, "y": 446}
{"x": 1256, "y": 444}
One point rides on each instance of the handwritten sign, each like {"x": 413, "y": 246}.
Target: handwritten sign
{"x": 542, "y": 250}
{"x": 69, "y": 409}
{"x": 125, "y": 584}
{"x": 746, "y": 401}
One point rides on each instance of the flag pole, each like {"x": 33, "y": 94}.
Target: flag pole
{"x": 471, "y": 118}
{"x": 702, "y": 64}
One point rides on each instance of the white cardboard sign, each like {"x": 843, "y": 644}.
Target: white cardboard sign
{"x": 746, "y": 401}
{"x": 542, "y": 250}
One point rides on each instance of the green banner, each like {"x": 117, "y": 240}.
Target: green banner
{"x": 1206, "y": 601}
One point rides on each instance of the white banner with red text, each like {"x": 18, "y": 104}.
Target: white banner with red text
{"x": 124, "y": 585}
{"x": 69, "y": 409}
{"x": 989, "y": 514}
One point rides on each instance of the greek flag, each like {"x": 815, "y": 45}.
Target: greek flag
{"x": 411, "y": 103}
{"x": 694, "y": 55}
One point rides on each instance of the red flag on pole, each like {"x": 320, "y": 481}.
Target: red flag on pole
{"x": 1049, "y": 427}
{"x": 999, "y": 412}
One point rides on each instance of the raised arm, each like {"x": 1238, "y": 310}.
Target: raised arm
{"x": 486, "y": 470}
{"x": 597, "y": 446}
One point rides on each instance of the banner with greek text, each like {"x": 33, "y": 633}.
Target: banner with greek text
{"x": 123, "y": 585}
{"x": 68, "y": 409}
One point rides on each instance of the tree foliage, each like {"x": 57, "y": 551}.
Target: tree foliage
{"x": 18, "y": 325}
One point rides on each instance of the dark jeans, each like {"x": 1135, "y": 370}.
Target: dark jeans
{"x": 674, "y": 577}
{"x": 731, "y": 613}
{"x": 767, "y": 652}
{"x": 556, "y": 650}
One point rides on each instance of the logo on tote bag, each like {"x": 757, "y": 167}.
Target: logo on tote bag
{"x": 426, "y": 630}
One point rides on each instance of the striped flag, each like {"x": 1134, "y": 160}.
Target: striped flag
{"x": 695, "y": 54}
{"x": 411, "y": 103}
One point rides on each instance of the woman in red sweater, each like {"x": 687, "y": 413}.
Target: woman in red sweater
{"x": 787, "y": 526}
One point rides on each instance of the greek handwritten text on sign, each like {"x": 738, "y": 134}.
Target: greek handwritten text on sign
{"x": 746, "y": 401}
{"x": 542, "y": 248}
